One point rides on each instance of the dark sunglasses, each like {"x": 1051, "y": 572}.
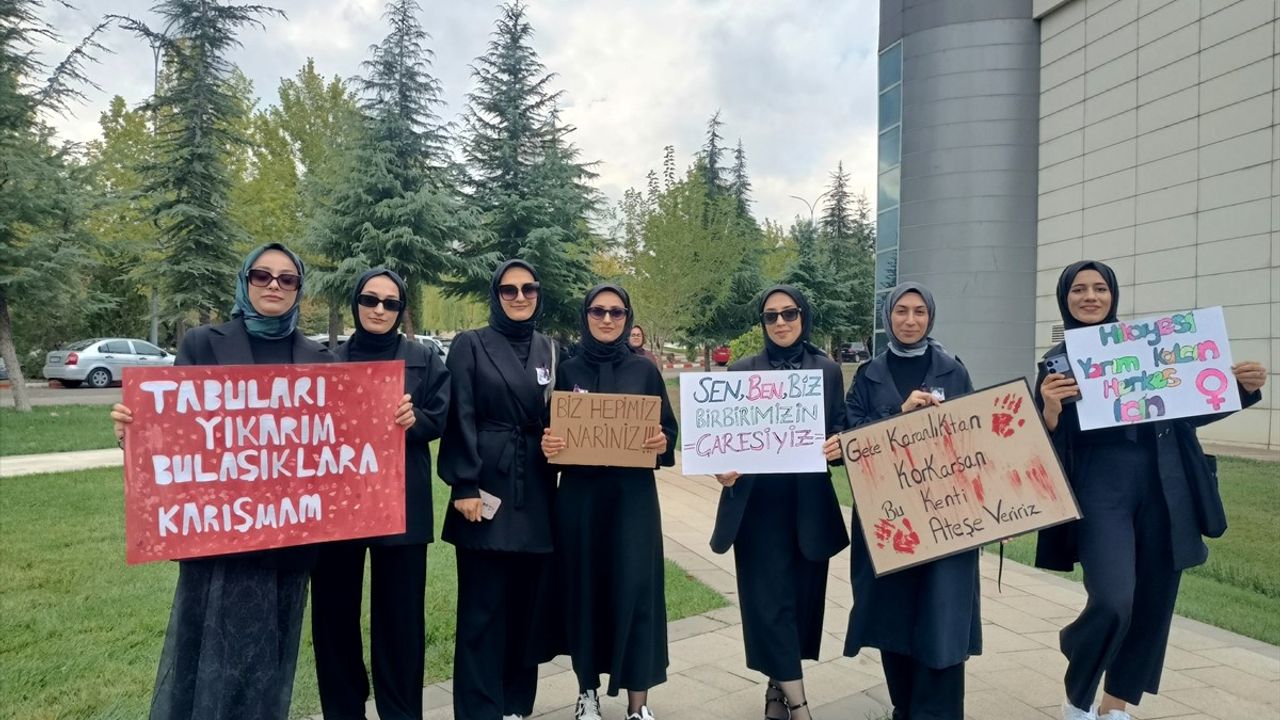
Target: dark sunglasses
{"x": 509, "y": 292}
{"x": 372, "y": 301}
{"x": 286, "y": 281}
{"x": 598, "y": 313}
{"x": 771, "y": 316}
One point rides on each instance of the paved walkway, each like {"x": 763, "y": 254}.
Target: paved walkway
{"x": 1210, "y": 674}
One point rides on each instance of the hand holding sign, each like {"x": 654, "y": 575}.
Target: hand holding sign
{"x": 1251, "y": 375}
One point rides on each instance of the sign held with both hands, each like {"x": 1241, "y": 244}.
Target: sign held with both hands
{"x": 949, "y": 478}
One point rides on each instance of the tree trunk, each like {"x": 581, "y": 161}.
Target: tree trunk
{"x": 155, "y": 318}
{"x": 335, "y": 324}
{"x": 706, "y": 357}
{"x": 411, "y": 292}
{"x": 10, "y": 355}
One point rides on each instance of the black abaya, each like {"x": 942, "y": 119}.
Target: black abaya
{"x": 609, "y": 545}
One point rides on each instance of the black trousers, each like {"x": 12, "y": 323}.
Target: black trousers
{"x": 397, "y": 595}
{"x": 1128, "y": 572}
{"x": 495, "y": 666}
{"x": 919, "y": 692}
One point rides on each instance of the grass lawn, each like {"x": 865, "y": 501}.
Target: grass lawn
{"x": 1239, "y": 587}
{"x": 55, "y": 428}
{"x": 82, "y": 631}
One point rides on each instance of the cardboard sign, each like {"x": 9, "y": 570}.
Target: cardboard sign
{"x": 767, "y": 421}
{"x": 605, "y": 428}
{"x": 946, "y": 479}
{"x": 1156, "y": 368}
{"x": 227, "y": 459}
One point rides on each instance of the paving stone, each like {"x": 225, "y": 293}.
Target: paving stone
{"x": 1240, "y": 684}
{"x": 1218, "y": 703}
{"x": 1254, "y": 663}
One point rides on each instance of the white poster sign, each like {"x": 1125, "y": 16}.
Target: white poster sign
{"x": 1155, "y": 368}
{"x": 766, "y": 421}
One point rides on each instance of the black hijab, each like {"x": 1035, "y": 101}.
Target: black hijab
{"x": 498, "y": 319}
{"x": 365, "y": 345}
{"x": 605, "y": 355}
{"x": 792, "y": 356}
{"x": 1068, "y": 278}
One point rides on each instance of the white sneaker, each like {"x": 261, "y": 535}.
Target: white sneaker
{"x": 1071, "y": 712}
{"x": 644, "y": 714}
{"x": 512, "y": 717}
{"x": 588, "y": 706}
{"x": 1116, "y": 715}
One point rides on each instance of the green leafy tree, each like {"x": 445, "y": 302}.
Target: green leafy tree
{"x": 120, "y": 219}
{"x": 43, "y": 245}
{"x": 846, "y": 239}
{"x": 525, "y": 176}
{"x": 196, "y": 114}
{"x": 395, "y": 205}
{"x": 321, "y": 122}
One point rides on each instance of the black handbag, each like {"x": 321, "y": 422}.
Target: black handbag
{"x": 1202, "y": 480}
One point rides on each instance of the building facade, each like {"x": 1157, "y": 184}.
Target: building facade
{"x": 1156, "y": 150}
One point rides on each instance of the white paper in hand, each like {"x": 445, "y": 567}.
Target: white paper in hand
{"x": 490, "y": 505}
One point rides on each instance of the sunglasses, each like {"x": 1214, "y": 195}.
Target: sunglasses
{"x": 771, "y": 316}
{"x": 286, "y": 281}
{"x": 614, "y": 313}
{"x": 510, "y": 292}
{"x": 373, "y": 301}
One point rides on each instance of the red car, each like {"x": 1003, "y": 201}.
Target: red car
{"x": 721, "y": 355}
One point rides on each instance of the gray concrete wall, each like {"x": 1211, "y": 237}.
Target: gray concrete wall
{"x": 970, "y": 113}
{"x": 1160, "y": 154}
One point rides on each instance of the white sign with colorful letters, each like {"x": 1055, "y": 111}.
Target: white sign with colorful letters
{"x": 1154, "y": 368}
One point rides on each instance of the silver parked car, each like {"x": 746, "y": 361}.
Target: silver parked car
{"x": 101, "y": 361}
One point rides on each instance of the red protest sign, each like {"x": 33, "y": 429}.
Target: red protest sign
{"x": 225, "y": 459}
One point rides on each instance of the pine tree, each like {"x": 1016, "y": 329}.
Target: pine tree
{"x": 739, "y": 183}
{"x": 525, "y": 175}
{"x": 847, "y": 239}
{"x": 44, "y": 248}
{"x": 712, "y": 156}
{"x": 394, "y": 205}
{"x": 196, "y": 112}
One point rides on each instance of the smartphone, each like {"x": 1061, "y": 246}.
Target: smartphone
{"x": 1061, "y": 364}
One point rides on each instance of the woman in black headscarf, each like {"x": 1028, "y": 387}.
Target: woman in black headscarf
{"x": 1146, "y": 493}
{"x": 608, "y": 525}
{"x": 637, "y": 341}
{"x": 231, "y": 648}
{"x": 502, "y": 378}
{"x": 398, "y": 572}
{"x": 784, "y": 528}
{"x": 925, "y": 620}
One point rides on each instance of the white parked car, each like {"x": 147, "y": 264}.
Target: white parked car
{"x": 100, "y": 362}
{"x": 433, "y": 343}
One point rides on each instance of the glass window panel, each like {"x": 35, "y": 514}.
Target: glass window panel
{"x": 881, "y": 342}
{"x": 886, "y": 269}
{"x": 146, "y": 348}
{"x": 891, "y": 66}
{"x": 887, "y": 230}
{"x": 890, "y": 148}
{"x": 891, "y": 106}
{"x": 888, "y": 189}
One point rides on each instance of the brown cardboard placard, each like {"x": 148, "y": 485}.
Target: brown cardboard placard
{"x": 943, "y": 480}
{"x": 605, "y": 428}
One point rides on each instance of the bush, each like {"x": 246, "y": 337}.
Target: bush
{"x": 747, "y": 344}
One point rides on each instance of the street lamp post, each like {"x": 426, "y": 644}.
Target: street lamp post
{"x": 811, "y": 205}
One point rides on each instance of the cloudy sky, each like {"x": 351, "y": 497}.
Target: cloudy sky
{"x": 793, "y": 79}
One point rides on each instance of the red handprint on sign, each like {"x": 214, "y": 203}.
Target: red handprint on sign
{"x": 884, "y": 531}
{"x": 906, "y": 542}
{"x": 1002, "y": 421}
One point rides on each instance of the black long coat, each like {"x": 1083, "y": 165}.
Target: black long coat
{"x": 822, "y": 534}
{"x": 228, "y": 344}
{"x": 1057, "y": 548}
{"x": 932, "y": 611}
{"x": 493, "y": 441}
{"x": 426, "y": 381}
